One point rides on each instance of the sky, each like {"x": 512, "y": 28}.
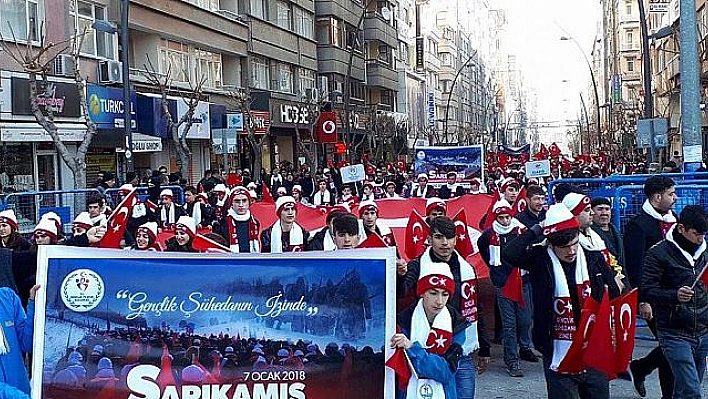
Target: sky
{"x": 535, "y": 28}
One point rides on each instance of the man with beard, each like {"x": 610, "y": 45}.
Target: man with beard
{"x": 534, "y": 212}
{"x": 240, "y": 227}
{"x": 285, "y": 235}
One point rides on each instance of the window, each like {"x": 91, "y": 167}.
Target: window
{"x": 322, "y": 31}
{"x": 208, "y": 65}
{"x": 357, "y": 90}
{"x": 23, "y": 16}
{"x": 95, "y": 43}
{"x": 336, "y": 33}
{"x": 304, "y": 23}
{"x": 630, "y": 65}
{"x": 284, "y": 19}
{"x": 282, "y": 77}
{"x": 404, "y": 52}
{"x": 447, "y": 59}
{"x": 260, "y": 73}
{"x": 174, "y": 57}
{"x": 307, "y": 80}
{"x": 630, "y": 39}
{"x": 384, "y": 54}
{"x": 258, "y": 9}
{"x": 628, "y": 8}
{"x": 205, "y": 4}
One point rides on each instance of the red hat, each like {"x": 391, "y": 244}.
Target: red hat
{"x": 8, "y": 216}
{"x": 366, "y": 206}
{"x": 83, "y": 220}
{"x": 509, "y": 182}
{"x": 501, "y": 207}
{"x": 576, "y": 203}
{"x": 435, "y": 275}
{"x": 434, "y": 203}
{"x": 240, "y": 190}
{"x": 343, "y": 207}
{"x": 558, "y": 218}
{"x": 281, "y": 202}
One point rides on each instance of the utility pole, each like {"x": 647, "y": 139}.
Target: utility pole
{"x": 646, "y": 69}
{"x": 690, "y": 89}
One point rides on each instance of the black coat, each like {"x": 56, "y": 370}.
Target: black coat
{"x": 266, "y": 238}
{"x": 522, "y": 254}
{"x": 665, "y": 271}
{"x": 641, "y": 233}
{"x": 529, "y": 219}
{"x": 317, "y": 241}
{"x": 498, "y": 274}
{"x": 444, "y": 192}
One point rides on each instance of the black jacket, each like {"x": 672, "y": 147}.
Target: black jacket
{"x": 445, "y": 192}
{"x": 528, "y": 218}
{"x": 266, "y": 238}
{"x": 522, "y": 254}
{"x": 498, "y": 274}
{"x": 613, "y": 241}
{"x": 407, "y": 283}
{"x": 665, "y": 271}
{"x": 641, "y": 233}
{"x": 316, "y": 243}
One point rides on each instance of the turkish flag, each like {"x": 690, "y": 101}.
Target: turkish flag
{"x": 326, "y": 131}
{"x": 401, "y": 366}
{"x": 624, "y": 310}
{"x": 464, "y": 245}
{"x": 417, "y": 230}
{"x": 554, "y": 150}
{"x": 599, "y": 353}
{"x": 166, "y": 376}
{"x": 520, "y": 204}
{"x": 438, "y": 341}
{"x": 204, "y": 244}
{"x": 503, "y": 159}
{"x": 514, "y": 287}
{"x": 573, "y": 361}
{"x": 372, "y": 241}
{"x": 118, "y": 221}
{"x": 267, "y": 196}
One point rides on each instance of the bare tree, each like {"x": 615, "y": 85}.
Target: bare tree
{"x": 36, "y": 61}
{"x": 242, "y": 101}
{"x": 177, "y": 129}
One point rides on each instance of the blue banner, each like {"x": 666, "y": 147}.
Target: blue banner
{"x": 436, "y": 162}
{"x": 121, "y": 324}
{"x": 105, "y": 106}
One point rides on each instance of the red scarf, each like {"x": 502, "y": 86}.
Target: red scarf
{"x": 254, "y": 228}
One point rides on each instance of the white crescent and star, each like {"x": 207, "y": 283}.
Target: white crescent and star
{"x": 626, "y": 308}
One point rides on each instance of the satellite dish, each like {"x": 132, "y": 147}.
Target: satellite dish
{"x": 386, "y": 13}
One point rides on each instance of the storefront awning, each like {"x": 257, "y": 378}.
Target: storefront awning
{"x": 32, "y": 132}
{"x": 144, "y": 143}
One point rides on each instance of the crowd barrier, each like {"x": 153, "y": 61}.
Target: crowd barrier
{"x": 30, "y": 206}
{"x": 627, "y": 200}
{"x": 114, "y": 197}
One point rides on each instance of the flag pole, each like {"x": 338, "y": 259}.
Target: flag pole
{"x": 700, "y": 276}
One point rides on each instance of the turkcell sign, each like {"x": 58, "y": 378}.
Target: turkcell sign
{"x": 431, "y": 109}
{"x": 105, "y": 106}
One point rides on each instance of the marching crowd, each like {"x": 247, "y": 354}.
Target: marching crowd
{"x": 547, "y": 265}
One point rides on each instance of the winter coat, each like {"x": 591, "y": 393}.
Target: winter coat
{"x": 18, "y": 328}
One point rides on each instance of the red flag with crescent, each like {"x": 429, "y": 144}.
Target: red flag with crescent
{"x": 327, "y": 127}
{"x": 554, "y": 150}
{"x": 573, "y": 361}
{"x": 600, "y": 353}
{"x": 624, "y": 310}
{"x": 204, "y": 244}
{"x": 464, "y": 244}
{"x": 417, "y": 230}
{"x": 118, "y": 221}
{"x": 267, "y": 196}
{"x": 373, "y": 241}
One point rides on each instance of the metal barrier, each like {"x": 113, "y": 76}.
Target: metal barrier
{"x": 31, "y": 205}
{"x": 114, "y": 196}
{"x": 628, "y": 200}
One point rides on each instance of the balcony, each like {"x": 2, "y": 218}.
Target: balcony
{"x": 378, "y": 74}
{"x": 332, "y": 59}
{"x": 376, "y": 28}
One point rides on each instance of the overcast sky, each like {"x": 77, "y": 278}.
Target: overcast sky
{"x": 535, "y": 28}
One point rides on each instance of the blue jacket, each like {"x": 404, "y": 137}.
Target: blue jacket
{"x": 18, "y": 329}
{"x": 10, "y": 392}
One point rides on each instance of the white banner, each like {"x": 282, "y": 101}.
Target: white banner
{"x": 538, "y": 168}
{"x": 353, "y": 173}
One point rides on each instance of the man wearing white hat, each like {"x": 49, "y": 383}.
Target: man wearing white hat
{"x": 218, "y": 198}
{"x": 139, "y": 214}
{"x": 368, "y": 224}
{"x": 390, "y": 190}
{"x": 285, "y": 235}
{"x": 168, "y": 212}
{"x": 45, "y": 233}
{"x": 563, "y": 276}
{"x": 81, "y": 224}
{"x": 240, "y": 228}
{"x": 421, "y": 189}
{"x": 297, "y": 194}
{"x": 435, "y": 207}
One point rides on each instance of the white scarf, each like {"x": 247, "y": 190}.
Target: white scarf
{"x": 328, "y": 241}
{"x": 275, "y": 178}
{"x": 317, "y": 198}
{"x": 467, "y": 306}
{"x": 167, "y": 219}
{"x": 383, "y": 229}
{"x": 667, "y": 218}
{"x": 4, "y": 345}
{"x": 561, "y": 295}
{"x": 100, "y": 220}
{"x": 418, "y": 193}
{"x": 420, "y": 331}
{"x": 369, "y": 197}
{"x": 690, "y": 258}
{"x": 254, "y": 245}
{"x": 276, "y": 237}
{"x": 495, "y": 250}
{"x": 196, "y": 212}
{"x": 592, "y": 241}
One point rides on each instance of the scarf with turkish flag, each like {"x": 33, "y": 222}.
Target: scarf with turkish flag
{"x": 464, "y": 244}
{"x": 326, "y": 130}
{"x": 118, "y": 221}
{"x": 624, "y": 310}
{"x": 417, "y": 230}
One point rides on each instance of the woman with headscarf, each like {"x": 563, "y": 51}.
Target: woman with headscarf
{"x": 146, "y": 238}
{"x": 10, "y": 237}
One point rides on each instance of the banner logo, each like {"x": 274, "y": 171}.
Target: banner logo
{"x": 82, "y": 290}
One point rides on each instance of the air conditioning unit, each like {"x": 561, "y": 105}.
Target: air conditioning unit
{"x": 110, "y": 71}
{"x": 64, "y": 65}
{"x": 312, "y": 95}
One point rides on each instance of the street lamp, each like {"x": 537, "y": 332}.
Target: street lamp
{"x": 452, "y": 88}
{"x": 109, "y": 27}
{"x": 594, "y": 85}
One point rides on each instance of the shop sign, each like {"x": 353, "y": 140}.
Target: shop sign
{"x": 431, "y": 109}
{"x": 201, "y": 124}
{"x": 105, "y": 106}
{"x": 147, "y": 145}
{"x": 59, "y": 97}
{"x": 294, "y": 114}
{"x": 658, "y": 6}
{"x": 19, "y": 134}
{"x": 258, "y": 121}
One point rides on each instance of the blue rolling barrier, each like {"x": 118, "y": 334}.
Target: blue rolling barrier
{"x": 29, "y": 206}
{"x": 114, "y": 194}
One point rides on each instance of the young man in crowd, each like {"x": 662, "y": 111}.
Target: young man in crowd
{"x": 680, "y": 298}
{"x": 346, "y": 231}
{"x": 421, "y": 189}
{"x": 390, "y": 190}
{"x": 563, "y": 275}
{"x": 536, "y": 202}
{"x": 435, "y": 207}
{"x": 95, "y": 206}
{"x": 240, "y": 227}
{"x": 322, "y": 197}
{"x": 451, "y": 189}
{"x": 285, "y": 235}
{"x": 642, "y": 231}
{"x": 195, "y": 208}
{"x": 168, "y": 212}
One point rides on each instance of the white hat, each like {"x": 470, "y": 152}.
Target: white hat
{"x": 166, "y": 193}
{"x": 240, "y": 190}
{"x": 508, "y": 182}
{"x": 83, "y": 220}
{"x": 281, "y": 202}
{"x": 433, "y": 203}
{"x": 501, "y": 207}
{"x": 187, "y": 225}
{"x": 422, "y": 176}
{"x": 150, "y": 228}
{"x": 220, "y": 188}
{"x": 297, "y": 188}
{"x": 558, "y": 218}
{"x": 48, "y": 227}
{"x": 325, "y": 170}
{"x": 365, "y": 206}
{"x": 251, "y": 185}
{"x": 126, "y": 188}
{"x": 576, "y": 203}
{"x": 435, "y": 275}
{"x": 282, "y": 190}
{"x": 8, "y": 216}
{"x": 56, "y": 219}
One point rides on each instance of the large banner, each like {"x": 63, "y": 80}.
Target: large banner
{"x": 114, "y": 324}
{"x": 467, "y": 162}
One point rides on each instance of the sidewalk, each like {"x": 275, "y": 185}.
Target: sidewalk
{"x": 496, "y": 383}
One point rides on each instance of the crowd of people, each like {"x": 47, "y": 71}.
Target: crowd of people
{"x": 563, "y": 254}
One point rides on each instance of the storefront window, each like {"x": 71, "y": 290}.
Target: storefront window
{"x": 16, "y": 168}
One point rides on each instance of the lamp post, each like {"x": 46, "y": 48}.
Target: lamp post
{"x": 594, "y": 86}
{"x": 452, "y": 88}
{"x": 109, "y": 27}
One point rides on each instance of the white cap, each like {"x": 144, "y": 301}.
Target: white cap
{"x": 126, "y": 188}
{"x": 47, "y": 226}
{"x": 220, "y": 188}
{"x": 150, "y": 228}
{"x": 8, "y": 216}
{"x": 558, "y": 218}
{"x": 576, "y": 203}
{"x": 281, "y": 202}
{"x": 166, "y": 193}
{"x": 56, "y": 219}
{"x": 187, "y": 225}
{"x": 83, "y": 219}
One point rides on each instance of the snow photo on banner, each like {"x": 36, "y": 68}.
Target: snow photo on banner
{"x": 235, "y": 326}
{"x": 466, "y": 161}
